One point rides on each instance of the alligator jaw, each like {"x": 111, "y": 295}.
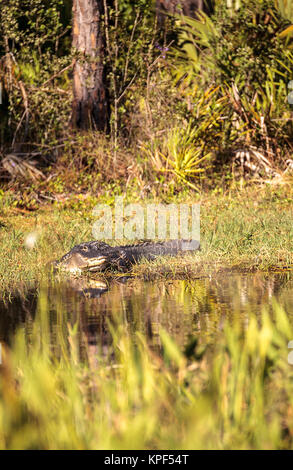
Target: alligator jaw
{"x": 75, "y": 263}
{"x": 94, "y": 264}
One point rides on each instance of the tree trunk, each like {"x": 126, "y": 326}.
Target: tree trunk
{"x": 187, "y": 7}
{"x": 90, "y": 103}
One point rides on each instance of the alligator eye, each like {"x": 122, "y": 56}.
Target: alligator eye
{"x": 85, "y": 248}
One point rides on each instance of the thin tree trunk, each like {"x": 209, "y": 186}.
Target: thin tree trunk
{"x": 187, "y": 7}
{"x": 90, "y": 106}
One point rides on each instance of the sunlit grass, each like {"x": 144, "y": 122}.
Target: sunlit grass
{"x": 235, "y": 394}
{"x": 246, "y": 230}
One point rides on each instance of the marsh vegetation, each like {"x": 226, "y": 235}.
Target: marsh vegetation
{"x": 188, "y": 352}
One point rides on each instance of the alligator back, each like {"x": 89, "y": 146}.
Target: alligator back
{"x": 151, "y": 250}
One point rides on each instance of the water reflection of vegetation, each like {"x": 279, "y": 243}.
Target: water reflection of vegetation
{"x": 59, "y": 391}
{"x": 181, "y": 307}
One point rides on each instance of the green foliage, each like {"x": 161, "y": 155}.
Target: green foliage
{"x": 242, "y": 228}
{"x": 227, "y": 76}
{"x": 29, "y": 25}
{"x": 285, "y": 7}
{"x": 131, "y": 33}
{"x": 31, "y": 41}
{"x": 237, "y": 394}
{"x": 249, "y": 43}
{"x": 246, "y": 52}
{"x": 239, "y": 48}
{"x": 178, "y": 154}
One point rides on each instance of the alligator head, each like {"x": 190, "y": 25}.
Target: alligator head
{"x": 92, "y": 256}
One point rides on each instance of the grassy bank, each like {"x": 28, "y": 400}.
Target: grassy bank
{"x": 240, "y": 230}
{"x": 235, "y": 394}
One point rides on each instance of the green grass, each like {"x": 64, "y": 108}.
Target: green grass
{"x": 235, "y": 394}
{"x": 241, "y": 230}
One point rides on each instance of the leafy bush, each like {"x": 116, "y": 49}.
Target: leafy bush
{"x": 236, "y": 394}
{"x": 247, "y": 54}
{"x": 248, "y": 43}
{"x": 34, "y": 62}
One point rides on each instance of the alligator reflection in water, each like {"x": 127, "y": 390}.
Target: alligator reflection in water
{"x": 181, "y": 307}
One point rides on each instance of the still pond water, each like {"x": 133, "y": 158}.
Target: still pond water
{"x": 183, "y": 308}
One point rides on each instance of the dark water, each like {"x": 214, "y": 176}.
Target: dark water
{"x": 183, "y": 308}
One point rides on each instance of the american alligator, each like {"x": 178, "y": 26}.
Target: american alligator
{"x": 99, "y": 256}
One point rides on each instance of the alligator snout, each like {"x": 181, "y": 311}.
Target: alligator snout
{"x": 76, "y": 263}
